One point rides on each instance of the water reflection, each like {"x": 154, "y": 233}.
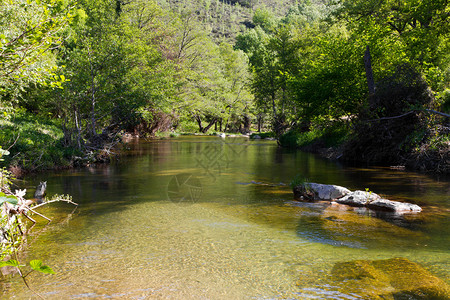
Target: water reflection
{"x": 339, "y": 225}
{"x": 244, "y": 237}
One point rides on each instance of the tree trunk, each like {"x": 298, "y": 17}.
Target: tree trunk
{"x": 247, "y": 124}
{"x": 199, "y": 122}
{"x": 259, "y": 123}
{"x": 78, "y": 131}
{"x": 369, "y": 72}
{"x": 274, "y": 106}
{"x": 209, "y": 125}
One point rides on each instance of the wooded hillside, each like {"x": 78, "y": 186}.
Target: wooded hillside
{"x": 227, "y": 18}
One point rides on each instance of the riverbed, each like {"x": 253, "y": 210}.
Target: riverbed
{"x": 213, "y": 218}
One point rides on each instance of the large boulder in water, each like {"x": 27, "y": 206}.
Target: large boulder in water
{"x": 399, "y": 207}
{"x": 317, "y": 191}
{"x": 311, "y": 191}
{"x": 358, "y": 198}
{"x": 396, "y": 278}
{"x": 374, "y": 201}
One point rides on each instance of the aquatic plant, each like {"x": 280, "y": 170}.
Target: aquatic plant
{"x": 298, "y": 180}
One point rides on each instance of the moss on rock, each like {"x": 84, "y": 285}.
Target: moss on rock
{"x": 396, "y": 278}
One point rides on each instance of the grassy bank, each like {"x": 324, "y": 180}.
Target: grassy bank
{"x": 320, "y": 136}
{"x": 34, "y": 142}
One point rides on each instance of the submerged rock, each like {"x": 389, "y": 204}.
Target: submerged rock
{"x": 396, "y": 278}
{"x": 346, "y": 226}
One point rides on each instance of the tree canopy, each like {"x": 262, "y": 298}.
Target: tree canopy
{"x": 101, "y": 67}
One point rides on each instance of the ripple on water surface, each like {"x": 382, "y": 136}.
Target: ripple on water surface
{"x": 236, "y": 241}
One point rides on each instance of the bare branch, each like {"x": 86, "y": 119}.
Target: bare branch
{"x": 41, "y": 215}
{"x": 18, "y": 135}
{"x": 56, "y": 200}
{"x": 438, "y": 113}
{"x": 410, "y": 112}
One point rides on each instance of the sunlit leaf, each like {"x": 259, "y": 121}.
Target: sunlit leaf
{"x": 9, "y": 263}
{"x": 36, "y": 265}
{"x": 46, "y": 270}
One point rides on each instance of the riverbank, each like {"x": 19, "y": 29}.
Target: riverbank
{"x": 37, "y": 143}
{"x": 425, "y": 150}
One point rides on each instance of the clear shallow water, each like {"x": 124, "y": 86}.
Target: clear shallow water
{"x": 206, "y": 218}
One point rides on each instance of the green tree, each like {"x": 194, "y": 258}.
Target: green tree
{"x": 117, "y": 71}
{"x": 214, "y": 86}
{"x": 274, "y": 59}
{"x": 30, "y": 31}
{"x": 419, "y": 27}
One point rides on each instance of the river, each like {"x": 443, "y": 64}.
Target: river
{"x": 212, "y": 218}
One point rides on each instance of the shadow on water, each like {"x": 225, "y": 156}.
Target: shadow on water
{"x": 242, "y": 172}
{"x": 361, "y": 228}
{"x": 221, "y": 211}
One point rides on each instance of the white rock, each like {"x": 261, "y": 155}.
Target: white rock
{"x": 328, "y": 192}
{"x": 358, "y": 198}
{"x": 396, "y": 206}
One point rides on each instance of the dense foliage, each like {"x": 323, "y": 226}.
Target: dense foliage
{"x": 98, "y": 68}
{"x": 327, "y": 63}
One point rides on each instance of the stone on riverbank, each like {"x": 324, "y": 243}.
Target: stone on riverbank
{"x": 396, "y": 278}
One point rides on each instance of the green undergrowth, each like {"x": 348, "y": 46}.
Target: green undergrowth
{"x": 332, "y": 135}
{"x": 34, "y": 142}
{"x": 263, "y": 135}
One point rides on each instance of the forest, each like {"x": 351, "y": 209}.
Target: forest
{"x": 365, "y": 81}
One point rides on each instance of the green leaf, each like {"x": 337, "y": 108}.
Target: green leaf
{"x": 9, "y": 199}
{"x": 46, "y": 270}
{"x": 36, "y": 265}
{"x": 10, "y": 263}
